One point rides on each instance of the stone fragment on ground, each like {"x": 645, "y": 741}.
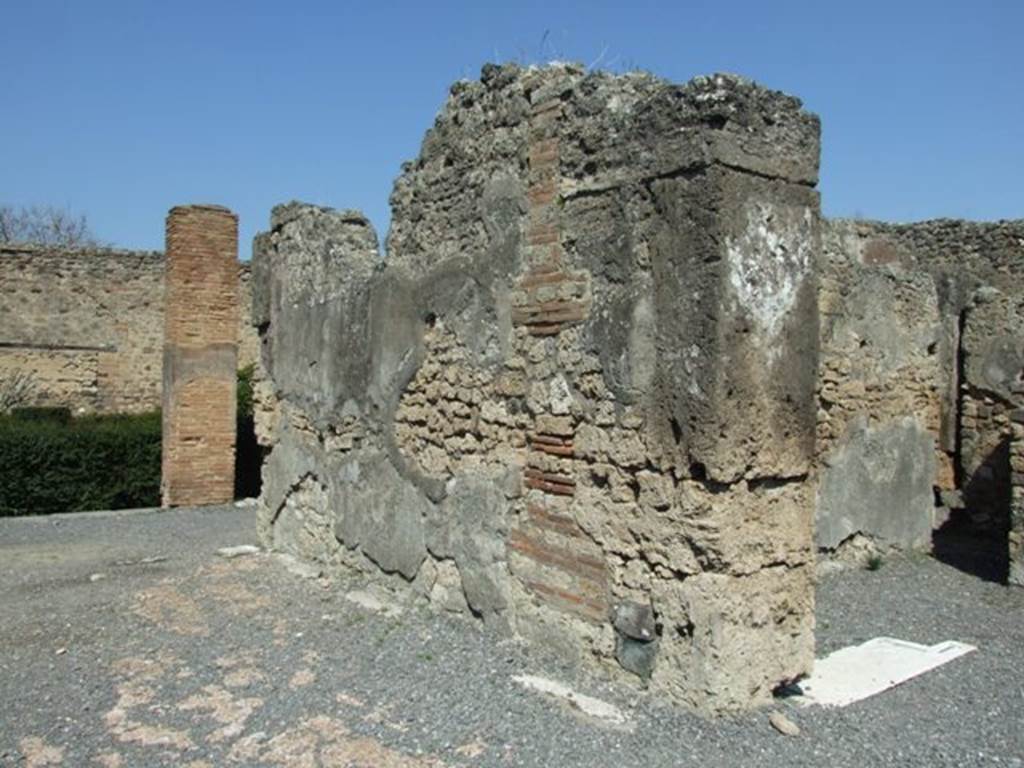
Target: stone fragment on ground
{"x": 373, "y": 602}
{"x": 783, "y": 724}
{"x": 596, "y": 709}
{"x": 301, "y": 568}
{"x": 239, "y": 551}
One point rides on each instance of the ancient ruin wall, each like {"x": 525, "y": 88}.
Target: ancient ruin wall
{"x": 88, "y": 325}
{"x": 879, "y": 412}
{"x": 1016, "y": 536}
{"x": 200, "y": 356}
{"x": 921, "y": 341}
{"x": 577, "y": 401}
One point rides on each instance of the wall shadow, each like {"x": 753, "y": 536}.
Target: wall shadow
{"x": 249, "y": 455}
{"x": 976, "y": 539}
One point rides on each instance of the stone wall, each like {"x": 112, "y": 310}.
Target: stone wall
{"x": 200, "y": 356}
{"x": 577, "y": 401}
{"x": 1016, "y": 537}
{"x": 880, "y": 398}
{"x": 921, "y": 341}
{"x": 88, "y": 325}
{"x": 992, "y": 345}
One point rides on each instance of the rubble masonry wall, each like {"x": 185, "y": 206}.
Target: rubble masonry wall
{"x": 577, "y": 400}
{"x": 922, "y": 343}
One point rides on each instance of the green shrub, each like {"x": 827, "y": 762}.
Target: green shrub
{"x": 58, "y": 414}
{"x": 245, "y": 396}
{"x": 249, "y": 454}
{"x": 87, "y": 463}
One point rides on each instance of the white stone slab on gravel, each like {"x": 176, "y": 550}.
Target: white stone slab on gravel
{"x": 588, "y": 705}
{"x": 239, "y": 551}
{"x": 859, "y": 671}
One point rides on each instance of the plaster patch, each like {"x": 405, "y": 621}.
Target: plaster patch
{"x": 768, "y": 262}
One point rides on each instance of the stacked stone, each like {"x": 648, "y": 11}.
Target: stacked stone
{"x": 553, "y": 558}
{"x": 992, "y": 361}
{"x": 85, "y": 324}
{"x": 1016, "y": 537}
{"x": 200, "y": 356}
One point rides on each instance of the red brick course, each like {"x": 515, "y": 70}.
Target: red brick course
{"x": 556, "y": 561}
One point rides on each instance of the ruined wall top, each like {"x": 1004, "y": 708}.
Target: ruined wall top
{"x": 973, "y": 251}
{"x": 614, "y": 129}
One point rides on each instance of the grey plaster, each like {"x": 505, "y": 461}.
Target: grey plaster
{"x": 878, "y": 482}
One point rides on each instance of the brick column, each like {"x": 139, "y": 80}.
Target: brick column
{"x": 200, "y": 356}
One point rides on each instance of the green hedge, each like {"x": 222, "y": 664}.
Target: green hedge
{"x": 91, "y": 462}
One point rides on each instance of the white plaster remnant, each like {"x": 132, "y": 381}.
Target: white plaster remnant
{"x": 561, "y": 396}
{"x": 768, "y": 263}
{"x": 588, "y": 705}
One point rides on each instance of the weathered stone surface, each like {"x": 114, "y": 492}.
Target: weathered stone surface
{"x": 992, "y": 346}
{"x": 636, "y": 646}
{"x": 381, "y": 514}
{"x": 883, "y": 379}
{"x": 315, "y": 348}
{"x": 583, "y": 378}
{"x": 783, "y": 724}
{"x": 878, "y": 482}
{"x": 1015, "y": 538}
{"x": 473, "y": 523}
{"x": 710, "y": 618}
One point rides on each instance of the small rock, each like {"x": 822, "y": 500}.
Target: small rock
{"x": 783, "y": 724}
{"x": 371, "y": 602}
{"x": 143, "y": 561}
{"x": 61, "y": 651}
{"x": 597, "y": 709}
{"x": 239, "y": 551}
{"x": 299, "y": 568}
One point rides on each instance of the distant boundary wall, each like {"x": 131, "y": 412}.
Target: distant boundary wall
{"x": 88, "y": 325}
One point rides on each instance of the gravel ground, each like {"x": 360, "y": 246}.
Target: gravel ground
{"x": 128, "y": 642}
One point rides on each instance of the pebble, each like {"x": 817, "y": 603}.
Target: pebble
{"x": 783, "y": 724}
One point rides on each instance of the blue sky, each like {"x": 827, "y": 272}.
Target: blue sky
{"x": 120, "y": 110}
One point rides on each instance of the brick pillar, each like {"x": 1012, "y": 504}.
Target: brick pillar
{"x": 200, "y": 356}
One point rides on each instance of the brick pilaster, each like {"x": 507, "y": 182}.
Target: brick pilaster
{"x": 200, "y": 356}
{"x": 562, "y": 568}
